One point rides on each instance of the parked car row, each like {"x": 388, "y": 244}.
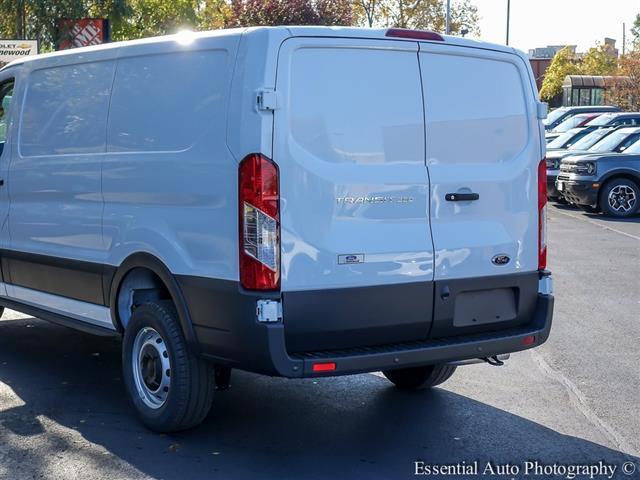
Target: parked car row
{"x": 557, "y": 116}
{"x": 592, "y": 121}
{"x": 597, "y": 167}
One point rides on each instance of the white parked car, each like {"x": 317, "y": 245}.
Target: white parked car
{"x": 292, "y": 201}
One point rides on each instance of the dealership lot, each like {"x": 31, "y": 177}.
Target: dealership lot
{"x": 575, "y": 400}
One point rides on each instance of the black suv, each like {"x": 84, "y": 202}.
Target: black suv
{"x": 608, "y": 182}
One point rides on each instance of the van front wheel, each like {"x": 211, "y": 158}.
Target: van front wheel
{"x": 170, "y": 387}
{"x": 420, "y": 377}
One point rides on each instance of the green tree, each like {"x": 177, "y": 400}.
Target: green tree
{"x": 420, "y": 14}
{"x": 368, "y": 11}
{"x": 626, "y": 91}
{"x": 635, "y": 32}
{"x": 290, "y": 12}
{"x": 599, "y": 60}
{"x": 148, "y": 18}
{"x": 214, "y": 14}
{"x": 37, "y": 19}
{"x": 564, "y": 63}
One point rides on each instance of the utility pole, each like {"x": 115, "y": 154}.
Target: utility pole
{"x": 624, "y": 37}
{"x": 508, "y": 15}
{"x": 448, "y": 21}
{"x": 20, "y": 27}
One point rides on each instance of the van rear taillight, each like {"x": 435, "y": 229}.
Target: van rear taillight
{"x": 414, "y": 34}
{"x": 542, "y": 214}
{"x": 259, "y": 200}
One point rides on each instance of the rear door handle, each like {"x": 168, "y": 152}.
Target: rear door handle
{"x": 461, "y": 197}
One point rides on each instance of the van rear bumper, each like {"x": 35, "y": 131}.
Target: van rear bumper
{"x": 261, "y": 347}
{"x": 412, "y": 354}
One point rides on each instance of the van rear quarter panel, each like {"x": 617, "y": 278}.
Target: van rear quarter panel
{"x": 168, "y": 179}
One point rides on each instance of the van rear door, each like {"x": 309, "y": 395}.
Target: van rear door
{"x": 357, "y": 255}
{"x": 483, "y": 149}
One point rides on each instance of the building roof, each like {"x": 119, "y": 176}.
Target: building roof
{"x": 596, "y": 81}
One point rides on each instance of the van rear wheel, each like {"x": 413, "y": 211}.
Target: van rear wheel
{"x": 420, "y": 377}
{"x": 169, "y": 386}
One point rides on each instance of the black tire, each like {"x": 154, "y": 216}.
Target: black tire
{"x": 189, "y": 395}
{"x": 618, "y": 188}
{"x": 420, "y": 377}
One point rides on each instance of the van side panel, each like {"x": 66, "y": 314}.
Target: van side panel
{"x": 168, "y": 179}
{"x": 250, "y": 129}
{"x": 11, "y": 127}
{"x": 54, "y": 184}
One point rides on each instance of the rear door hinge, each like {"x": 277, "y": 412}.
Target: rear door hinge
{"x": 542, "y": 110}
{"x": 267, "y": 99}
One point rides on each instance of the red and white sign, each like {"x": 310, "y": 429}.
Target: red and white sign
{"x": 82, "y": 32}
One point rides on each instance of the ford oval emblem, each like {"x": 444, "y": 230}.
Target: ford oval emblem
{"x": 501, "y": 259}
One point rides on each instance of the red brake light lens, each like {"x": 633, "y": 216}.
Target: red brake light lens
{"x": 542, "y": 214}
{"x": 414, "y": 34}
{"x": 259, "y": 210}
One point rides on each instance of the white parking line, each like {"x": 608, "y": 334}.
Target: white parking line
{"x": 598, "y": 224}
{"x": 579, "y": 401}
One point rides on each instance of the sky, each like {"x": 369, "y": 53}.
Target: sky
{"x": 538, "y": 23}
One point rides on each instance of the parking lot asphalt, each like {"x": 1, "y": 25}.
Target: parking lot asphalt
{"x": 575, "y": 400}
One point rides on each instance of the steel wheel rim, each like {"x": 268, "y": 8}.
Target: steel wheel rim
{"x": 622, "y": 198}
{"x": 151, "y": 368}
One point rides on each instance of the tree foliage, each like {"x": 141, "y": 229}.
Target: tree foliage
{"x": 290, "y": 12}
{"x": 214, "y": 14}
{"x": 599, "y": 60}
{"x": 626, "y": 93}
{"x": 635, "y": 33}
{"x": 420, "y": 14}
{"x": 564, "y": 63}
{"x": 146, "y": 18}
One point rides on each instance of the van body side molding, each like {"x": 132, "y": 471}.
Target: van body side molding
{"x": 83, "y": 311}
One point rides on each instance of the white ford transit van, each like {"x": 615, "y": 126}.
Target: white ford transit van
{"x": 291, "y": 201}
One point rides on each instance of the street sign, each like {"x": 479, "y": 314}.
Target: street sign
{"x": 13, "y": 49}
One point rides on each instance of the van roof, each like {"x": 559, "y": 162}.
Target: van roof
{"x": 291, "y": 31}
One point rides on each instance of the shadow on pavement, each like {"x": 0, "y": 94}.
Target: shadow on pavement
{"x": 606, "y": 219}
{"x": 596, "y": 216}
{"x": 356, "y": 427}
